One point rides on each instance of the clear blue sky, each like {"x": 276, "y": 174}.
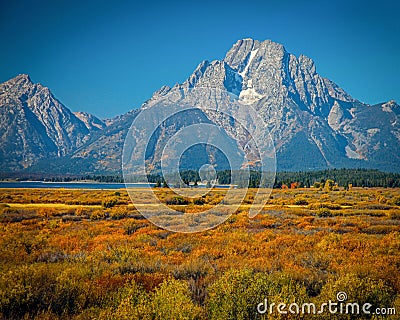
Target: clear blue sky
{"x": 107, "y": 57}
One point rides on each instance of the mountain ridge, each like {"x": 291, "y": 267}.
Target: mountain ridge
{"x": 315, "y": 124}
{"x": 296, "y": 102}
{"x": 35, "y": 125}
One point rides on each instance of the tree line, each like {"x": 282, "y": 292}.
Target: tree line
{"x": 307, "y": 179}
{"x": 341, "y": 177}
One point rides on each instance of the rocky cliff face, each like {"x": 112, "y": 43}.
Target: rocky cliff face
{"x": 314, "y": 123}
{"x": 35, "y": 125}
{"x": 91, "y": 122}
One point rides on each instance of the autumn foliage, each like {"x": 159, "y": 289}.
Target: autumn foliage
{"x": 75, "y": 254}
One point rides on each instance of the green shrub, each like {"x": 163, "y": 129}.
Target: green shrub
{"x": 300, "y": 201}
{"x": 98, "y": 215}
{"x": 199, "y": 201}
{"x": 130, "y": 302}
{"x": 172, "y": 300}
{"x": 323, "y": 212}
{"x": 177, "y": 201}
{"x": 109, "y": 202}
{"x": 329, "y": 184}
{"x": 327, "y": 205}
{"x": 119, "y": 213}
{"x": 28, "y": 290}
{"x": 396, "y": 201}
{"x": 317, "y": 185}
{"x": 236, "y": 294}
{"x": 358, "y": 288}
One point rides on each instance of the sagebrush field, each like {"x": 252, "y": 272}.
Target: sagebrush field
{"x": 89, "y": 254}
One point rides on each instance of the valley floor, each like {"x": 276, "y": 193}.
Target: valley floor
{"x": 89, "y": 254}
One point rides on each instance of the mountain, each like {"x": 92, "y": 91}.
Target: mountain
{"x": 34, "y": 125}
{"x": 314, "y": 123}
{"x": 91, "y": 122}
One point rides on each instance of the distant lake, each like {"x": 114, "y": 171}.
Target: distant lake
{"x": 81, "y": 185}
{"x": 72, "y": 185}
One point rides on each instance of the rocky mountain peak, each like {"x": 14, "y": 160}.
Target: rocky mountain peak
{"x": 20, "y": 84}
{"x": 391, "y": 104}
{"x": 31, "y": 116}
{"x": 299, "y": 106}
{"x": 237, "y": 55}
{"x": 23, "y": 77}
{"x": 314, "y": 123}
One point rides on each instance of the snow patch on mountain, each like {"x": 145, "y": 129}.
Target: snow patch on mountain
{"x": 351, "y": 154}
{"x": 252, "y": 55}
{"x": 249, "y": 95}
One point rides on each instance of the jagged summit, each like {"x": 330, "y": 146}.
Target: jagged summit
{"x": 20, "y": 83}
{"x": 23, "y": 77}
{"x": 390, "y": 104}
{"x": 34, "y": 124}
{"x": 255, "y": 71}
{"x": 315, "y": 123}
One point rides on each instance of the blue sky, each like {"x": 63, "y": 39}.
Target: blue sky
{"x": 107, "y": 57}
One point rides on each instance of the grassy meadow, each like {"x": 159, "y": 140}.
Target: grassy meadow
{"x": 89, "y": 254}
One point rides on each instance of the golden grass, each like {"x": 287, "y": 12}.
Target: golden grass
{"x": 64, "y": 255}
